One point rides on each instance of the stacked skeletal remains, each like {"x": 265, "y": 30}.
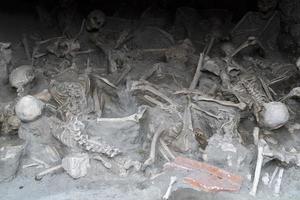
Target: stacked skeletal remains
{"x": 166, "y": 99}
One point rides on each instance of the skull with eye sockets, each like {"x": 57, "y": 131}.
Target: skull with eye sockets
{"x": 95, "y": 20}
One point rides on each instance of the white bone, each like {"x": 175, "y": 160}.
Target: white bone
{"x": 258, "y": 167}
{"x": 256, "y": 135}
{"x": 273, "y": 176}
{"x": 240, "y": 105}
{"x": 135, "y": 117}
{"x": 50, "y": 170}
{"x": 166, "y": 148}
{"x": 278, "y": 182}
{"x": 167, "y": 195}
{"x": 152, "y": 156}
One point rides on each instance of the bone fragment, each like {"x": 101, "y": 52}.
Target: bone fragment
{"x": 198, "y": 72}
{"x": 167, "y": 195}
{"x": 107, "y": 82}
{"x": 105, "y": 163}
{"x": 259, "y": 163}
{"x": 240, "y": 105}
{"x": 152, "y": 156}
{"x": 166, "y": 148}
{"x": 50, "y": 170}
{"x": 124, "y": 73}
{"x": 273, "y": 176}
{"x": 135, "y": 117}
{"x": 145, "y": 86}
{"x": 256, "y": 135}
{"x": 163, "y": 153}
{"x": 278, "y": 182}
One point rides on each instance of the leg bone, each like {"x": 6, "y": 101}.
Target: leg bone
{"x": 167, "y": 195}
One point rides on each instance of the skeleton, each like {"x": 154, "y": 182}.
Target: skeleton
{"x": 251, "y": 91}
{"x": 20, "y": 77}
{"x": 71, "y": 96}
{"x": 73, "y": 135}
{"x": 268, "y": 152}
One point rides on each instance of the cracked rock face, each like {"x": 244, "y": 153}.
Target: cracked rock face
{"x": 10, "y": 155}
{"x": 275, "y": 115}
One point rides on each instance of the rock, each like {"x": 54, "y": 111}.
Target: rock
{"x": 76, "y": 164}
{"x": 29, "y": 108}
{"x": 274, "y": 115}
{"x": 10, "y": 154}
{"x": 227, "y": 152}
{"x": 40, "y": 142}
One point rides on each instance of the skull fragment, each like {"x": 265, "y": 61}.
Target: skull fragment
{"x": 95, "y": 20}
{"x": 274, "y": 115}
{"x": 21, "y": 76}
{"x": 29, "y": 108}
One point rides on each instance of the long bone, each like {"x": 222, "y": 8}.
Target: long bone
{"x": 134, "y": 117}
{"x": 278, "y": 182}
{"x": 295, "y": 92}
{"x": 50, "y": 170}
{"x": 152, "y": 155}
{"x": 145, "y": 86}
{"x": 249, "y": 42}
{"x": 240, "y": 105}
{"x": 167, "y": 195}
{"x": 260, "y": 157}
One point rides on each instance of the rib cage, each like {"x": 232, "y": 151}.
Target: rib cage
{"x": 255, "y": 92}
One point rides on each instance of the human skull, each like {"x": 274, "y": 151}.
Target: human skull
{"x": 21, "y": 76}
{"x": 95, "y": 20}
{"x": 274, "y": 115}
{"x": 29, "y": 108}
{"x": 266, "y": 5}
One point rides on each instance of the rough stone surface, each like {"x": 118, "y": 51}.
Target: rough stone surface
{"x": 10, "y": 154}
{"x": 228, "y": 153}
{"x": 76, "y": 164}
